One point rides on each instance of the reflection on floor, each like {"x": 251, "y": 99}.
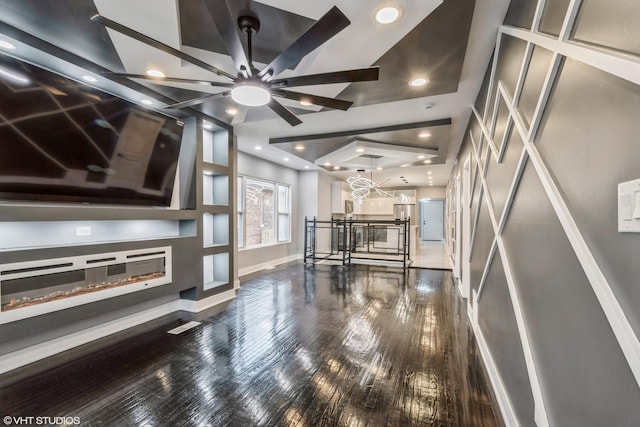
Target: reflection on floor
{"x": 431, "y": 255}
{"x": 300, "y": 346}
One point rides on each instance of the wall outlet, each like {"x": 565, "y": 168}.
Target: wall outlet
{"x": 83, "y": 231}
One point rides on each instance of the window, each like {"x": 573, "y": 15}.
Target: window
{"x": 283, "y": 213}
{"x": 264, "y": 210}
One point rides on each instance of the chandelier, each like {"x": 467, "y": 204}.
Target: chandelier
{"x": 361, "y": 187}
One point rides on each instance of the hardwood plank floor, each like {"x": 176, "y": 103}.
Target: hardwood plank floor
{"x": 300, "y": 346}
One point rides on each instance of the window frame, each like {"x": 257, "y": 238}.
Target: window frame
{"x": 241, "y": 198}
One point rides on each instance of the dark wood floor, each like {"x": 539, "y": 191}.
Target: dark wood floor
{"x": 299, "y": 346}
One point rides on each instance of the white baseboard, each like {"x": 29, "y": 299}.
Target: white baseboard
{"x": 500, "y": 391}
{"x": 46, "y": 349}
{"x": 269, "y": 264}
{"x": 201, "y": 305}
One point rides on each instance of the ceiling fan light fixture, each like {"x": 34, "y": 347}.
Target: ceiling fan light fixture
{"x": 387, "y": 14}
{"x": 251, "y": 95}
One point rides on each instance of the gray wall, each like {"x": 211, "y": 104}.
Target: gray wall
{"x": 256, "y": 167}
{"x": 577, "y": 147}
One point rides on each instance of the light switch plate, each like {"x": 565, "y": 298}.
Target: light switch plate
{"x": 629, "y": 206}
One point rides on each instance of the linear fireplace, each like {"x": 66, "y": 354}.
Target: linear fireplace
{"x": 37, "y": 287}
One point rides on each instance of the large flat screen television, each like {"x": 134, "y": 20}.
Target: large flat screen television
{"x": 64, "y": 141}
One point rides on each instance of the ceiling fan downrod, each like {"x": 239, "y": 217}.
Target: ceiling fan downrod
{"x": 250, "y": 24}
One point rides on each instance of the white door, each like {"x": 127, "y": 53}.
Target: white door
{"x": 432, "y": 220}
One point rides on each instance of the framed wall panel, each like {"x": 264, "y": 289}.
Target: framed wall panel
{"x": 612, "y": 25}
{"x": 553, "y": 16}
{"x": 568, "y": 330}
{"x": 600, "y": 111}
{"x": 498, "y": 323}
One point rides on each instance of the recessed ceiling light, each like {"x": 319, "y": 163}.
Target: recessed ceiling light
{"x": 305, "y": 103}
{"x": 155, "y": 73}
{"x": 89, "y": 79}
{"x": 327, "y": 164}
{"x": 299, "y": 147}
{"x": 424, "y": 135}
{"x": 6, "y": 45}
{"x": 286, "y": 159}
{"x": 421, "y": 81}
{"x": 257, "y": 147}
{"x": 359, "y": 150}
{"x": 147, "y": 102}
{"x": 431, "y": 184}
{"x": 306, "y": 166}
{"x": 335, "y": 168}
{"x": 429, "y": 106}
{"x": 421, "y": 157}
{"x": 232, "y": 111}
{"x": 426, "y": 162}
{"x": 207, "y": 126}
{"x": 402, "y": 177}
{"x": 379, "y": 168}
{"x": 405, "y": 165}
{"x": 429, "y": 173}
{"x": 387, "y": 14}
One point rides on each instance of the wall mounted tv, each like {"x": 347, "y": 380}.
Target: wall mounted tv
{"x": 63, "y": 141}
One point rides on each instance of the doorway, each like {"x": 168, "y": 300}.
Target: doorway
{"x": 432, "y": 220}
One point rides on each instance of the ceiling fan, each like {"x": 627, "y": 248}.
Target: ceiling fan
{"x": 252, "y": 87}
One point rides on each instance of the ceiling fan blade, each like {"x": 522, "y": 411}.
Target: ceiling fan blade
{"x": 169, "y": 79}
{"x": 199, "y": 100}
{"x": 221, "y": 15}
{"x": 326, "y": 27}
{"x": 284, "y": 112}
{"x": 349, "y": 76}
{"x": 159, "y": 45}
{"x": 336, "y": 104}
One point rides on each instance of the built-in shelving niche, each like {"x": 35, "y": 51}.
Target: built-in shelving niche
{"x": 215, "y": 147}
{"x": 216, "y": 270}
{"x": 215, "y": 229}
{"x": 217, "y": 205}
{"x": 33, "y": 288}
{"x": 215, "y": 189}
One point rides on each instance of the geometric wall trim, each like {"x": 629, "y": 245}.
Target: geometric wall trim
{"x": 527, "y": 89}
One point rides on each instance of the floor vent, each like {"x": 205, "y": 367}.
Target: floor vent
{"x": 185, "y": 327}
